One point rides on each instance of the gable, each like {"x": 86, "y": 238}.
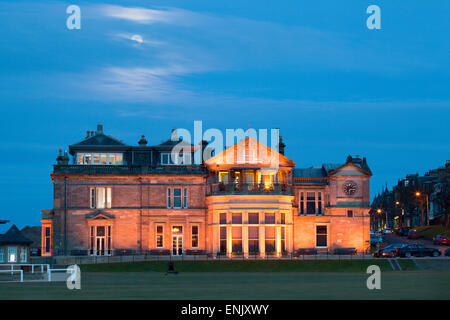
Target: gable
{"x": 247, "y": 153}
{"x": 349, "y": 169}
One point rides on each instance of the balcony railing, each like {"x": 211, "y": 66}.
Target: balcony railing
{"x": 128, "y": 170}
{"x": 245, "y": 188}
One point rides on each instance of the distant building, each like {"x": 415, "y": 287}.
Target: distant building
{"x": 14, "y": 247}
{"x": 114, "y": 197}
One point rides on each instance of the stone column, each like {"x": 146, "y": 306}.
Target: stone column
{"x": 262, "y": 236}
{"x": 229, "y": 235}
{"x": 245, "y": 233}
{"x": 278, "y": 233}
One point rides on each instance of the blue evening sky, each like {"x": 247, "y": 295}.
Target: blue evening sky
{"x": 311, "y": 68}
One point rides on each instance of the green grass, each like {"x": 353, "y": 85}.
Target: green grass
{"x": 406, "y": 264}
{"x": 238, "y": 286}
{"x": 429, "y": 232}
{"x": 242, "y": 266}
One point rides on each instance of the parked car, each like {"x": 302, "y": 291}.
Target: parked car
{"x": 388, "y": 251}
{"x": 417, "y": 250}
{"x": 386, "y": 231}
{"x": 403, "y": 231}
{"x": 441, "y": 239}
{"x": 374, "y": 239}
{"x": 413, "y": 234}
{"x": 447, "y": 252}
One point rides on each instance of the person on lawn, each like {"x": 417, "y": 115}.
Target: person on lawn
{"x": 171, "y": 268}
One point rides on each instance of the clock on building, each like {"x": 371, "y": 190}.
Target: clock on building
{"x": 349, "y": 187}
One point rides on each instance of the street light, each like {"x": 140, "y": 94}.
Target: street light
{"x": 420, "y": 196}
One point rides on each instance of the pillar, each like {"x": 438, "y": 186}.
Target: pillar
{"x": 245, "y": 233}
{"x": 278, "y": 233}
{"x": 262, "y": 236}
{"x": 229, "y": 235}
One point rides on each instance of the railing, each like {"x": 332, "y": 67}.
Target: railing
{"x": 245, "y": 188}
{"x": 12, "y": 271}
{"x": 32, "y": 266}
{"x": 303, "y": 181}
{"x": 128, "y": 170}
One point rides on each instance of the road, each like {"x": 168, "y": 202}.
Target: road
{"x": 393, "y": 238}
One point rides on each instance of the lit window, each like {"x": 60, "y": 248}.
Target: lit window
{"x": 100, "y": 197}
{"x": 223, "y": 239}
{"x": 321, "y": 236}
{"x": 159, "y": 236}
{"x": 194, "y": 236}
{"x": 99, "y": 158}
{"x": 253, "y": 239}
{"x": 270, "y": 239}
{"x": 236, "y": 239}
{"x": 12, "y": 254}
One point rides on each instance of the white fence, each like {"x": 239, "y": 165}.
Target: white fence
{"x": 12, "y": 271}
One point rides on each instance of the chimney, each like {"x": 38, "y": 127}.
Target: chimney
{"x": 142, "y": 142}
{"x": 281, "y": 146}
{"x": 61, "y": 160}
{"x": 99, "y": 128}
{"x": 206, "y": 153}
{"x": 87, "y": 134}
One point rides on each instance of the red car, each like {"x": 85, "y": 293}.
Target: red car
{"x": 413, "y": 234}
{"x": 441, "y": 239}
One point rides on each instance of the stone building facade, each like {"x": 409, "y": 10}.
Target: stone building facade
{"x": 112, "y": 198}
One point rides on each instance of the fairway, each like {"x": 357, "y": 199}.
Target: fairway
{"x": 238, "y": 285}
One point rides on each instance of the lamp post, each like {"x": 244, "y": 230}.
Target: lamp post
{"x": 397, "y": 204}
{"x": 421, "y": 198}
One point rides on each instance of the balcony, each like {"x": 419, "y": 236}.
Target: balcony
{"x": 216, "y": 189}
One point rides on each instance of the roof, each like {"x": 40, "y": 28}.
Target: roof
{"x": 311, "y": 172}
{"x": 100, "y": 139}
{"x": 13, "y": 235}
{"x": 34, "y": 234}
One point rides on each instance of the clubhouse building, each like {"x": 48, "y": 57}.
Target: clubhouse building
{"x": 112, "y": 198}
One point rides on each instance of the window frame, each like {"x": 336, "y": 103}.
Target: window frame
{"x": 195, "y": 236}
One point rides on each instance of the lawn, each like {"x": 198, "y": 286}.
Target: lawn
{"x": 429, "y": 232}
{"x": 238, "y": 286}
{"x": 243, "y": 266}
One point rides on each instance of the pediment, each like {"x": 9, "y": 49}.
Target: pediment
{"x": 249, "y": 153}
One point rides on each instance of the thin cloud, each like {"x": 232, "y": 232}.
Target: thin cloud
{"x": 148, "y": 16}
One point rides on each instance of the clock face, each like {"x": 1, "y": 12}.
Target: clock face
{"x": 349, "y": 187}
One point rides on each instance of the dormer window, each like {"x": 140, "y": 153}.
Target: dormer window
{"x": 99, "y": 158}
{"x": 182, "y": 158}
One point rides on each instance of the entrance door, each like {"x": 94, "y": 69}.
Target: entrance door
{"x": 177, "y": 245}
{"x": 100, "y": 246}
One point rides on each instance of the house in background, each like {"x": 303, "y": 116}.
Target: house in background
{"x": 14, "y": 247}
{"x": 34, "y": 234}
